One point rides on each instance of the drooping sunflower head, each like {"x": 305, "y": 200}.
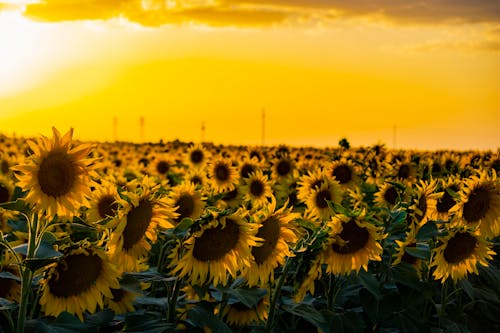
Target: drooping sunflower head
{"x": 238, "y": 314}
{"x": 317, "y": 202}
{"x": 479, "y": 204}
{"x": 219, "y": 250}
{"x": 105, "y": 202}
{"x": 450, "y": 188}
{"x": 277, "y": 233}
{"x": 388, "y": 195}
{"x": 187, "y": 201}
{"x": 137, "y": 225}
{"x": 459, "y": 253}
{"x": 78, "y": 282}
{"x": 353, "y": 242}
{"x": 309, "y": 182}
{"x": 57, "y": 175}
{"x": 424, "y": 202}
{"x": 223, "y": 175}
{"x": 121, "y": 300}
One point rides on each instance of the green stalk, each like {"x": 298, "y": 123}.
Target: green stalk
{"x": 27, "y": 274}
{"x": 276, "y": 295}
{"x": 172, "y": 305}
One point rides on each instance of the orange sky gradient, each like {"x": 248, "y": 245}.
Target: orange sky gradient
{"x": 320, "y": 69}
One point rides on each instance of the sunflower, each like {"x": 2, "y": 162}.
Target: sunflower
{"x": 136, "y": 224}
{"x": 78, "y": 282}
{"x": 238, "y": 314}
{"x": 6, "y": 189}
{"x": 257, "y": 189}
{"x": 459, "y": 253}
{"x": 187, "y": 201}
{"x": 317, "y": 205}
{"x": 104, "y": 203}
{"x": 447, "y": 201}
{"x": 344, "y": 171}
{"x": 197, "y": 156}
{"x": 57, "y": 175}
{"x": 282, "y": 167}
{"x": 231, "y": 199}
{"x": 402, "y": 256}
{"x": 424, "y": 203}
{"x": 307, "y": 283}
{"x": 221, "y": 247}
{"x": 121, "y": 300}
{"x": 223, "y": 175}
{"x": 10, "y": 287}
{"x": 388, "y": 196}
{"x": 5, "y": 216}
{"x": 479, "y": 205}
{"x": 353, "y": 242}
{"x": 277, "y": 233}
{"x": 404, "y": 171}
{"x": 309, "y": 182}
{"x": 197, "y": 177}
{"x": 248, "y": 166}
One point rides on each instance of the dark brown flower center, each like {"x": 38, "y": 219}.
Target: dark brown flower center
{"x": 283, "y": 168}
{"x": 75, "y": 274}
{"x": 162, "y": 167}
{"x": 391, "y": 195}
{"x": 270, "y": 233}
{"x": 196, "y": 156}
{"x": 354, "y": 236}
{"x": 118, "y": 294}
{"x": 342, "y": 173}
{"x": 459, "y": 247}
{"x": 422, "y": 207}
{"x": 477, "y": 205}
{"x": 6, "y": 287}
{"x": 404, "y": 171}
{"x": 256, "y": 188}
{"x": 107, "y": 206}
{"x": 222, "y": 172}
{"x": 445, "y": 203}
{"x": 185, "y": 206}
{"x": 57, "y": 174}
{"x": 138, "y": 220}
{"x": 322, "y": 197}
{"x": 216, "y": 242}
{"x": 246, "y": 170}
{"x": 196, "y": 180}
{"x": 4, "y": 193}
{"x": 316, "y": 184}
{"x": 4, "y": 166}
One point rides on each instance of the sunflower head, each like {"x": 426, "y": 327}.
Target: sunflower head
{"x": 57, "y": 175}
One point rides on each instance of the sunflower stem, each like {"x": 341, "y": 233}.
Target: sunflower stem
{"x": 171, "y": 317}
{"x": 27, "y": 274}
{"x": 276, "y": 295}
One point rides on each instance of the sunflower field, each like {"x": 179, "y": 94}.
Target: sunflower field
{"x": 163, "y": 237}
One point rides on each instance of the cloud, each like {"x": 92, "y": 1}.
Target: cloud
{"x": 267, "y": 12}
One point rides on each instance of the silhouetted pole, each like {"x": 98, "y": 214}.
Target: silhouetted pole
{"x": 141, "y": 124}
{"x": 203, "y": 128}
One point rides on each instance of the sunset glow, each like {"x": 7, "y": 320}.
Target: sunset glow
{"x": 414, "y": 75}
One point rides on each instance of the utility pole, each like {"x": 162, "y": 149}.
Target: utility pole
{"x": 263, "y": 126}
{"x": 115, "y": 128}
{"x": 141, "y": 125}
{"x": 203, "y": 128}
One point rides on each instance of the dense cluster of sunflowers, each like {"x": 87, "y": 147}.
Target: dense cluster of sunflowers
{"x": 221, "y": 237}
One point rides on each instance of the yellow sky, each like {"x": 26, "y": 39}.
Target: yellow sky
{"x": 320, "y": 69}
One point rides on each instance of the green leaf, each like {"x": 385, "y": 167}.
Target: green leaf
{"x": 249, "y": 297}
{"x": 369, "y": 281}
{"x": 337, "y": 208}
{"x": 467, "y": 287}
{"x": 100, "y": 318}
{"x": 427, "y": 232}
{"x": 418, "y": 252}
{"x": 397, "y": 216}
{"x": 183, "y": 226}
{"x": 160, "y": 302}
{"x": 200, "y": 317}
{"x": 306, "y": 224}
{"x": 308, "y": 313}
{"x": 45, "y": 251}
{"x": 5, "y": 304}
{"x": 145, "y": 323}
{"x": 18, "y": 205}
{"x": 9, "y": 275}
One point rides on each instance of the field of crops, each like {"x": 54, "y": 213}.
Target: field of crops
{"x": 109, "y": 237}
